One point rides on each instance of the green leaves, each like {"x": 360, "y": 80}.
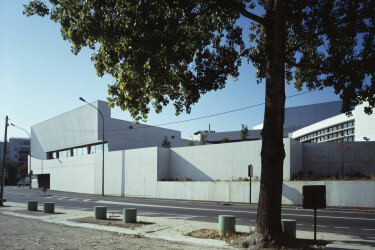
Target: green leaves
{"x": 158, "y": 51}
{"x": 173, "y": 51}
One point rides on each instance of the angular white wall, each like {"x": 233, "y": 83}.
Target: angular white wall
{"x": 220, "y": 161}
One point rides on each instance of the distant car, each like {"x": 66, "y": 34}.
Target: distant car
{"x": 24, "y": 182}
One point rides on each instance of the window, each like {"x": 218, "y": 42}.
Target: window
{"x": 99, "y": 148}
{"x": 64, "y": 153}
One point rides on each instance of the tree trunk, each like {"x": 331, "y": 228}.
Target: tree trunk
{"x": 272, "y": 154}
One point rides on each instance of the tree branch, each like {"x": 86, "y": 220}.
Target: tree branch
{"x": 302, "y": 66}
{"x": 252, "y": 16}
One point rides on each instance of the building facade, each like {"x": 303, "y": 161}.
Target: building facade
{"x": 65, "y": 150}
{"x": 80, "y": 132}
{"x": 18, "y": 150}
{"x": 356, "y": 127}
{"x": 322, "y": 122}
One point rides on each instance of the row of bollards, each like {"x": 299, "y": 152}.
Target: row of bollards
{"x": 227, "y": 223}
{"x": 129, "y": 214}
{"x": 48, "y": 207}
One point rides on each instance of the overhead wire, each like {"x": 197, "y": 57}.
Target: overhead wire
{"x": 134, "y": 126}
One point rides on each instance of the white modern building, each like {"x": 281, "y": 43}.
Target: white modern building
{"x": 295, "y": 119}
{"x": 357, "y": 127}
{"x": 80, "y": 132}
{"x": 65, "y": 152}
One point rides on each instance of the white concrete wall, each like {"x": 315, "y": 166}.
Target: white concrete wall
{"x": 114, "y": 173}
{"x": 296, "y": 157}
{"x": 225, "y": 161}
{"x": 75, "y": 174}
{"x": 223, "y": 191}
{"x": 351, "y": 193}
{"x": 215, "y": 162}
{"x": 325, "y": 159}
{"x": 163, "y": 164}
{"x": 141, "y": 172}
{"x": 338, "y": 193}
{"x": 83, "y": 174}
{"x": 364, "y": 124}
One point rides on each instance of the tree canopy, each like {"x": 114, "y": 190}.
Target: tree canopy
{"x": 162, "y": 51}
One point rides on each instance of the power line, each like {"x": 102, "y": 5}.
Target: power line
{"x": 193, "y": 119}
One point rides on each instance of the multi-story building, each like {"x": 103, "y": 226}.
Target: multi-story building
{"x": 322, "y": 122}
{"x": 356, "y": 127}
{"x": 18, "y": 150}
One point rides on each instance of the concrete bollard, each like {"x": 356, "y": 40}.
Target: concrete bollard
{"x": 227, "y": 224}
{"x": 288, "y": 228}
{"x": 49, "y": 207}
{"x": 130, "y": 215}
{"x": 32, "y": 206}
{"x": 100, "y": 212}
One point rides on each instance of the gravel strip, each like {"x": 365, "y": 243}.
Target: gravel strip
{"x": 21, "y": 233}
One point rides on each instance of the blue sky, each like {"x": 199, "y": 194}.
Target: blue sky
{"x": 40, "y": 78}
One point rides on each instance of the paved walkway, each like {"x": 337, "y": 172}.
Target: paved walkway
{"x": 168, "y": 233}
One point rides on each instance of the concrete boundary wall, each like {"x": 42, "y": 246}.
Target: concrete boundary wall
{"x": 338, "y": 193}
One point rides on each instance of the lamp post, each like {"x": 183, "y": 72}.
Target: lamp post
{"x": 3, "y": 165}
{"x": 83, "y": 100}
{"x": 29, "y": 152}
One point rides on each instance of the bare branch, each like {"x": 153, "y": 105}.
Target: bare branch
{"x": 252, "y": 16}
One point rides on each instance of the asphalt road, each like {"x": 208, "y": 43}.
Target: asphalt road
{"x": 354, "y": 222}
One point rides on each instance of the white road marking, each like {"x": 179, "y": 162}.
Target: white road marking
{"x": 86, "y": 200}
{"x": 342, "y": 227}
{"x": 320, "y": 226}
{"x": 299, "y": 224}
{"x": 224, "y": 210}
{"x": 368, "y": 229}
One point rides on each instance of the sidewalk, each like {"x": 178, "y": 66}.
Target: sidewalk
{"x": 170, "y": 229}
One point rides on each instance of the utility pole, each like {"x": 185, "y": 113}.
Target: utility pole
{"x": 3, "y": 165}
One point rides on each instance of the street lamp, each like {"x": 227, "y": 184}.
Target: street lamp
{"x": 83, "y": 100}
{"x": 29, "y": 149}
